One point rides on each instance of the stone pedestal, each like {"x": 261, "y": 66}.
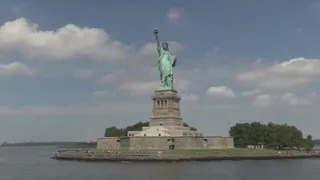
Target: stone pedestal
{"x": 166, "y": 113}
{"x": 166, "y": 109}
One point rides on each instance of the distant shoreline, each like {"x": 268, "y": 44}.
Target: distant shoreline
{"x": 66, "y": 144}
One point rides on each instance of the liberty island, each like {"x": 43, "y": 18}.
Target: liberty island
{"x": 166, "y": 138}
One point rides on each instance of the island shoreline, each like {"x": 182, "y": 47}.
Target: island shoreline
{"x": 179, "y": 158}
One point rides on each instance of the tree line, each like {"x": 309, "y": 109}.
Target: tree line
{"x": 113, "y": 131}
{"x": 70, "y": 144}
{"x": 276, "y": 136}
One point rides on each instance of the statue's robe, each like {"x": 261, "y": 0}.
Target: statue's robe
{"x": 166, "y": 62}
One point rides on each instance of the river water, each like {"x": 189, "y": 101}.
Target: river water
{"x": 34, "y": 163}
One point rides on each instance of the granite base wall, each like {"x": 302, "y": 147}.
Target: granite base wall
{"x": 124, "y": 143}
{"x": 163, "y": 143}
{"x": 189, "y": 143}
{"x": 108, "y": 143}
{"x": 216, "y": 142}
{"x": 148, "y": 143}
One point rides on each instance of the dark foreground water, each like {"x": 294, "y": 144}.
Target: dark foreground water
{"x": 34, "y": 163}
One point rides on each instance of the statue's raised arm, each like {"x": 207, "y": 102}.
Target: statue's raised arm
{"x": 158, "y": 41}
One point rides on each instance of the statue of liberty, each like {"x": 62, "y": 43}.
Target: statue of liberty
{"x": 166, "y": 63}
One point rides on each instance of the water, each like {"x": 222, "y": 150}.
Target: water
{"x": 34, "y": 163}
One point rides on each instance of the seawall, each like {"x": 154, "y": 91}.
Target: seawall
{"x": 152, "y": 157}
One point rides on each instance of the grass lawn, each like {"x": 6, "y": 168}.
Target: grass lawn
{"x": 233, "y": 151}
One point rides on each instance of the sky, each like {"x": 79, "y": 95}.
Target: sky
{"x": 70, "y": 69}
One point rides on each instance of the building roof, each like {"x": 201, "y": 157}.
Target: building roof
{"x": 154, "y": 131}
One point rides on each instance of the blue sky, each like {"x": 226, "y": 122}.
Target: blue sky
{"x": 69, "y": 69}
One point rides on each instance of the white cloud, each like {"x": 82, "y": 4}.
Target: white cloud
{"x": 174, "y": 14}
{"x": 263, "y": 100}
{"x": 252, "y": 92}
{"x": 67, "y": 42}
{"x": 293, "y": 72}
{"x": 293, "y": 100}
{"x": 101, "y": 94}
{"x": 16, "y": 69}
{"x": 290, "y": 99}
{"x": 220, "y": 91}
{"x": 150, "y": 49}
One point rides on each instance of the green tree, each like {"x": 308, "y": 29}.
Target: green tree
{"x": 241, "y": 134}
{"x": 271, "y": 135}
{"x": 113, "y": 131}
{"x": 308, "y": 143}
{"x": 187, "y": 125}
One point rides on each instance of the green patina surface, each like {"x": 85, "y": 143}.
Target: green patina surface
{"x": 166, "y": 62}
